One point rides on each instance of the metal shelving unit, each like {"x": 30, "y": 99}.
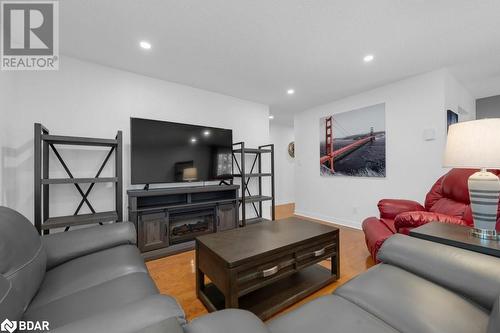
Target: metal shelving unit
{"x": 255, "y": 172}
{"x": 44, "y": 143}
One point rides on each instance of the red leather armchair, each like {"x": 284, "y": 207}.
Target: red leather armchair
{"x": 446, "y": 202}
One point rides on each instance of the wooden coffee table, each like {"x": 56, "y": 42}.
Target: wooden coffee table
{"x": 265, "y": 267}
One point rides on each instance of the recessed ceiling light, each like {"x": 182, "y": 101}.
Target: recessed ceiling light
{"x": 206, "y": 133}
{"x": 290, "y": 91}
{"x": 145, "y": 45}
{"x": 271, "y": 116}
{"x": 193, "y": 140}
{"x": 368, "y": 58}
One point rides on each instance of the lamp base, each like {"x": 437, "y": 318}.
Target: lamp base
{"x": 484, "y": 192}
{"x": 485, "y": 234}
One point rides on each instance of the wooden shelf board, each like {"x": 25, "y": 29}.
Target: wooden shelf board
{"x": 182, "y": 205}
{"x": 79, "y": 141}
{"x": 79, "y": 180}
{"x": 254, "y": 220}
{"x": 252, "y": 151}
{"x": 270, "y": 299}
{"x": 247, "y": 175}
{"x": 256, "y": 198}
{"x": 72, "y": 220}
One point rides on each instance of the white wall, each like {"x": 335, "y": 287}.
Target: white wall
{"x": 85, "y": 99}
{"x": 413, "y": 164}
{"x": 281, "y": 136}
{"x": 458, "y": 99}
{"x": 3, "y": 127}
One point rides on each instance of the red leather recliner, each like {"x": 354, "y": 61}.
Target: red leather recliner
{"x": 447, "y": 202}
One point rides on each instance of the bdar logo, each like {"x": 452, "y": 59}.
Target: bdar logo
{"x": 8, "y": 326}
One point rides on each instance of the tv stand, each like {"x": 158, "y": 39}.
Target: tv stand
{"x": 168, "y": 220}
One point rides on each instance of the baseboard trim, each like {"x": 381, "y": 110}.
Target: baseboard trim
{"x": 330, "y": 219}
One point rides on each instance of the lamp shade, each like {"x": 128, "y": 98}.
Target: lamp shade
{"x": 473, "y": 144}
{"x": 189, "y": 174}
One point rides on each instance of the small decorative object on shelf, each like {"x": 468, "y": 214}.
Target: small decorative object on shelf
{"x": 476, "y": 144}
{"x": 291, "y": 149}
{"x": 44, "y": 143}
{"x": 255, "y": 172}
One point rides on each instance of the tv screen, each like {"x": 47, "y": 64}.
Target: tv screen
{"x": 166, "y": 152}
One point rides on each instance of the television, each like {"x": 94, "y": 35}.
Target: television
{"x": 167, "y": 152}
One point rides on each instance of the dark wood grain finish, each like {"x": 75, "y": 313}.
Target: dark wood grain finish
{"x": 152, "y": 212}
{"x": 265, "y": 267}
{"x": 265, "y": 238}
{"x": 456, "y": 235}
{"x": 74, "y": 220}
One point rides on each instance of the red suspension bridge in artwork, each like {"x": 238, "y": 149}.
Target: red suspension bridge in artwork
{"x": 335, "y": 155}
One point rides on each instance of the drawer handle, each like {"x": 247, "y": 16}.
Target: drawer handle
{"x": 270, "y": 271}
{"x": 319, "y": 252}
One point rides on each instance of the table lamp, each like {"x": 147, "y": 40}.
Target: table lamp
{"x": 476, "y": 144}
{"x": 189, "y": 174}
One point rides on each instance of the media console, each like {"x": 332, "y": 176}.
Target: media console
{"x": 168, "y": 220}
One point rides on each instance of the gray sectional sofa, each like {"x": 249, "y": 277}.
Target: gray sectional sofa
{"x": 87, "y": 280}
{"x": 94, "y": 280}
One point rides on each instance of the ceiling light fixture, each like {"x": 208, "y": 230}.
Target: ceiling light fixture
{"x": 193, "y": 140}
{"x": 368, "y": 58}
{"x": 290, "y": 91}
{"x": 271, "y": 116}
{"x": 206, "y": 133}
{"x": 145, "y": 45}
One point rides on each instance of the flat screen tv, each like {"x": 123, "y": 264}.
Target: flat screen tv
{"x": 166, "y": 152}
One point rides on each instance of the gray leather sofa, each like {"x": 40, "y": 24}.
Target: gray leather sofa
{"x": 420, "y": 287}
{"x": 93, "y": 280}
{"x": 87, "y": 280}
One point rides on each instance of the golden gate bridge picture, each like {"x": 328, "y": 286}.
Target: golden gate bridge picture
{"x": 353, "y": 143}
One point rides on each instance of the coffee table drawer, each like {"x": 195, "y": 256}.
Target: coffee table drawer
{"x": 265, "y": 272}
{"x": 316, "y": 252}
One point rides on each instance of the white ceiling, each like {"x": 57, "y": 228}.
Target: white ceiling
{"x": 257, "y": 49}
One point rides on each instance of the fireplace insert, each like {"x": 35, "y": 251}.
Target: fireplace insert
{"x": 186, "y": 225}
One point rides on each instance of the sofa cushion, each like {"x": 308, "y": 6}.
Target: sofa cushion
{"x": 88, "y": 271}
{"x": 375, "y": 234}
{"x": 22, "y": 260}
{"x": 494, "y": 322}
{"x": 389, "y": 223}
{"x": 410, "y": 303}
{"x": 94, "y": 300}
{"x": 61, "y": 247}
{"x": 332, "y": 314}
{"x": 152, "y": 314}
{"x": 10, "y": 305}
{"x": 453, "y": 268}
{"x": 227, "y": 321}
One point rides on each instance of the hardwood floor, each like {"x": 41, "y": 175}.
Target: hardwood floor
{"x": 175, "y": 276}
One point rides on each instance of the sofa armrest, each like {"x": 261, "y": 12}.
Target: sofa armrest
{"x": 64, "y": 246}
{"x": 149, "y": 315}
{"x": 227, "y": 321}
{"x": 390, "y": 208}
{"x": 410, "y": 220}
{"x": 473, "y": 275}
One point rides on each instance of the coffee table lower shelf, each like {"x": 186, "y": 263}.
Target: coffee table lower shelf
{"x": 273, "y": 298}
